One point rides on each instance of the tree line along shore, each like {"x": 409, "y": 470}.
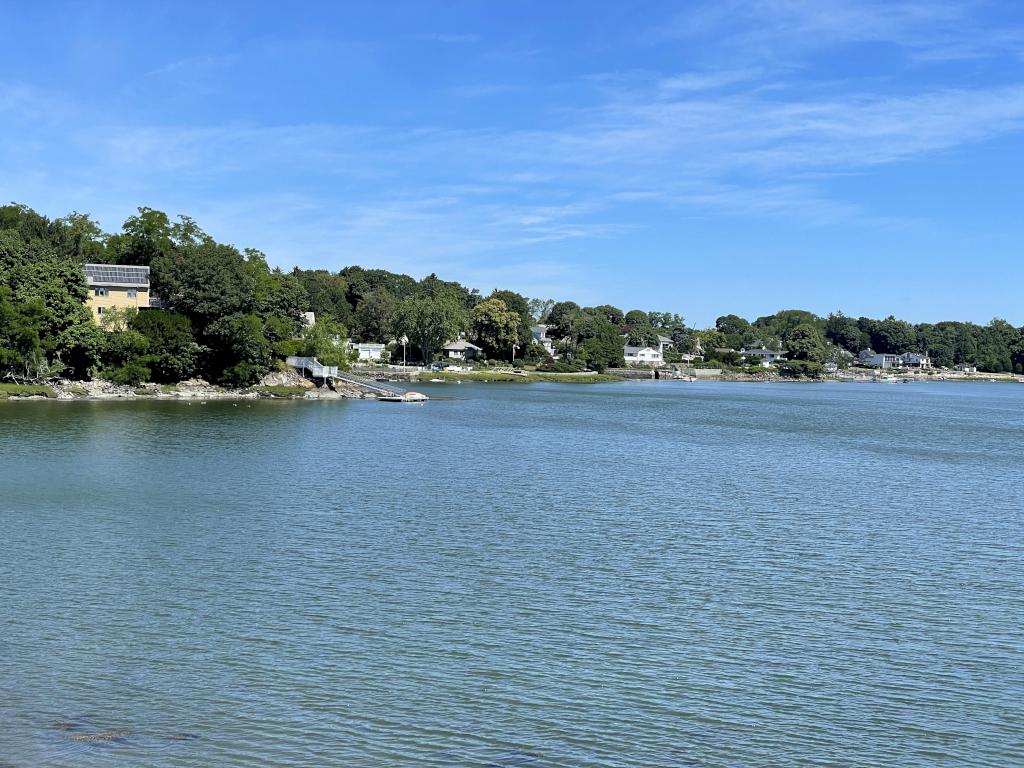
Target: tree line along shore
{"x": 226, "y": 317}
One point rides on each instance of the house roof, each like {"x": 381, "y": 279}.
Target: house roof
{"x": 116, "y": 274}
{"x": 636, "y": 350}
{"x": 665, "y": 339}
{"x": 458, "y": 346}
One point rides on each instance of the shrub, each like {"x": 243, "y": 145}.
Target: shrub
{"x": 130, "y": 374}
{"x": 796, "y": 368}
{"x": 561, "y": 366}
{"x": 289, "y": 348}
{"x": 242, "y": 374}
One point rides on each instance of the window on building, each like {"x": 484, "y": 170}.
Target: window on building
{"x": 100, "y": 291}
{"x": 99, "y": 310}
{"x": 132, "y": 293}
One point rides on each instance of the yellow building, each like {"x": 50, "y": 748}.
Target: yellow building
{"x": 116, "y": 286}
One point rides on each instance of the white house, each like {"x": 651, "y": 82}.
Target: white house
{"x": 664, "y": 342}
{"x": 915, "y": 360}
{"x": 872, "y": 359}
{"x": 764, "y": 355}
{"x": 649, "y": 356}
{"x": 461, "y": 350}
{"x": 540, "y": 336}
{"x": 967, "y": 368}
{"x": 368, "y": 351}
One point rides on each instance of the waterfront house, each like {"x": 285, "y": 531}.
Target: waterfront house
{"x": 967, "y": 368}
{"x": 872, "y": 359}
{"x": 116, "y": 286}
{"x": 648, "y": 356}
{"x": 761, "y": 354}
{"x": 461, "y": 350}
{"x": 915, "y": 360}
{"x": 368, "y": 350}
{"x": 664, "y": 342}
{"x": 540, "y": 336}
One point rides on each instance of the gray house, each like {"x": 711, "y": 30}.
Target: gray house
{"x": 461, "y": 350}
{"x": 872, "y": 359}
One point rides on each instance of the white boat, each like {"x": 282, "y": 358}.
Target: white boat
{"x": 407, "y": 397}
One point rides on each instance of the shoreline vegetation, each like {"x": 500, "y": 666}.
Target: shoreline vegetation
{"x": 222, "y": 316}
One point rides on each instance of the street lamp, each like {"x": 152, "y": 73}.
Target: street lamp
{"x": 404, "y": 340}
{"x": 514, "y": 348}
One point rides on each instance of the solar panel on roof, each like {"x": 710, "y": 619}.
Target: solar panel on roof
{"x": 116, "y": 274}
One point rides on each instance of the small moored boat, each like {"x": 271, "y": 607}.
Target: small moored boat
{"x": 406, "y": 397}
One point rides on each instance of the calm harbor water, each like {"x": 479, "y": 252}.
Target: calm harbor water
{"x": 641, "y": 574}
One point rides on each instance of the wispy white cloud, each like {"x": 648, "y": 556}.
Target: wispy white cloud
{"x": 758, "y": 138}
{"x": 927, "y": 29}
{"x": 452, "y": 38}
{"x": 738, "y": 153}
{"x": 708, "y": 80}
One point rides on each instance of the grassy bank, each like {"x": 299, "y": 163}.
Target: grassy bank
{"x": 575, "y": 378}
{"x": 25, "y": 390}
{"x": 511, "y": 378}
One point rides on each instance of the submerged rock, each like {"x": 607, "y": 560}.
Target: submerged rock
{"x": 183, "y": 736}
{"x": 99, "y": 737}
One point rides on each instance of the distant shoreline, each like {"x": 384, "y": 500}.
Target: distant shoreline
{"x": 99, "y": 390}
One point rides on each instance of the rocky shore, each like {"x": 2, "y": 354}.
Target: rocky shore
{"x": 276, "y": 385}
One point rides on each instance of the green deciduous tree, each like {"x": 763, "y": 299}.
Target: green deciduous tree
{"x": 805, "y": 342}
{"x": 613, "y": 315}
{"x": 144, "y": 237}
{"x": 431, "y": 321}
{"x": 326, "y": 342}
{"x": 561, "y": 317}
{"x": 240, "y": 353}
{"x": 732, "y": 325}
{"x": 375, "y": 317}
{"x": 844, "y": 332}
{"x": 172, "y": 354}
{"x": 20, "y": 345}
{"x": 495, "y": 327}
{"x": 521, "y": 306}
{"x": 603, "y": 347}
{"x": 206, "y": 280}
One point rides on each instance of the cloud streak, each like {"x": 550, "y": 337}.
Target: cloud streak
{"x": 773, "y": 29}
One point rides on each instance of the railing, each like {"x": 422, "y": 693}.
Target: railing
{"x": 315, "y": 368}
{"x": 370, "y": 384}
{"x": 318, "y": 370}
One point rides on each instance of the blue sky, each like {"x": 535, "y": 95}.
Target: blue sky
{"x": 693, "y": 157}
